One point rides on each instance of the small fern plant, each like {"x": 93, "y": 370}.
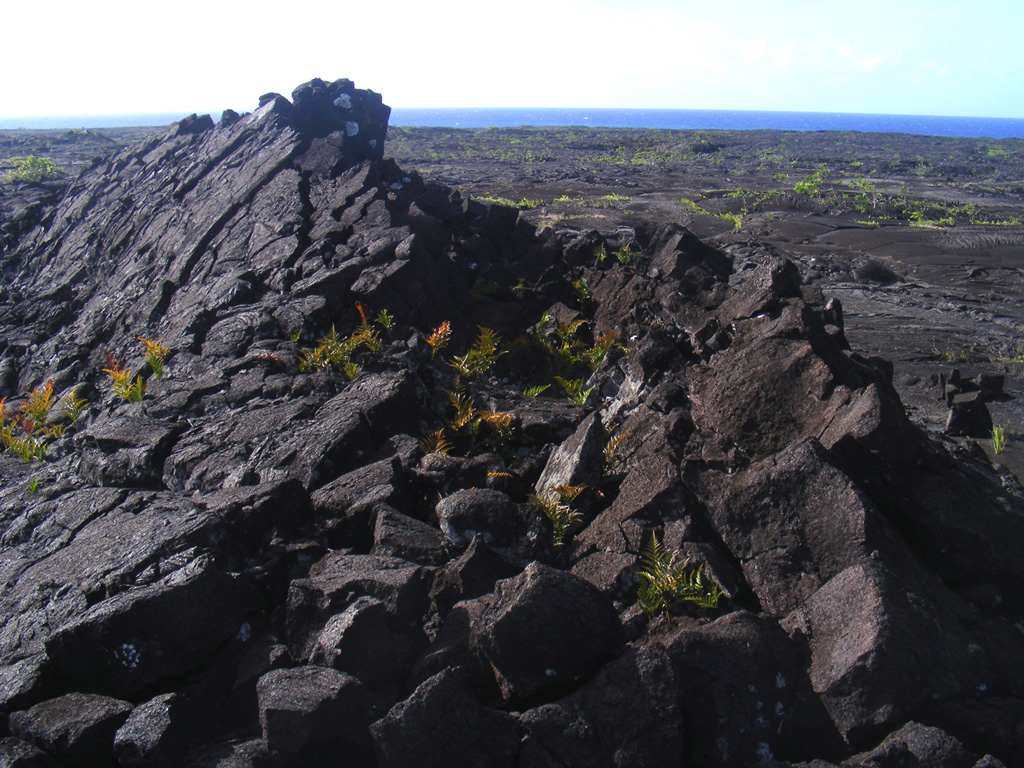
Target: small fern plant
{"x": 156, "y": 353}
{"x": 558, "y": 507}
{"x": 663, "y": 583}
{"x": 481, "y": 357}
{"x": 121, "y": 382}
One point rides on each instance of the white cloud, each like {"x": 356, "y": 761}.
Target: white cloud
{"x": 869, "y": 62}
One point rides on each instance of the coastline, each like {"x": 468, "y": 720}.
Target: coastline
{"x": 667, "y": 119}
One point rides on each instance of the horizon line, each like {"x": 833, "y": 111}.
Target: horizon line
{"x": 185, "y": 113}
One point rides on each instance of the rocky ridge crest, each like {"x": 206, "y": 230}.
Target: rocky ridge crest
{"x": 263, "y": 563}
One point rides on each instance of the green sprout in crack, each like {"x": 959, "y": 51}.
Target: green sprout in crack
{"x": 663, "y": 583}
{"x": 998, "y": 439}
{"x": 582, "y": 290}
{"x": 155, "y": 354}
{"x": 121, "y": 381}
{"x": 73, "y": 406}
{"x": 435, "y": 442}
{"x": 386, "y": 321}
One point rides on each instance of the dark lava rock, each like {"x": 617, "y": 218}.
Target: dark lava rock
{"x": 15, "y": 753}
{"x": 311, "y": 715}
{"x": 359, "y": 641}
{"x": 152, "y": 735}
{"x": 629, "y": 714}
{"x": 398, "y": 535}
{"x": 547, "y": 629}
{"x": 969, "y": 416}
{"x": 443, "y": 726}
{"x": 77, "y": 729}
{"x": 338, "y": 580}
{"x": 472, "y": 574}
{"x": 503, "y": 525}
{"x": 152, "y": 634}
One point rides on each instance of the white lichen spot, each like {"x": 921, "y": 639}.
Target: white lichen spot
{"x": 764, "y": 752}
{"x": 373, "y": 143}
{"x": 351, "y": 128}
{"x": 982, "y": 688}
{"x": 344, "y": 101}
{"x": 779, "y": 709}
{"x": 550, "y": 672}
{"x": 128, "y": 656}
{"x": 244, "y": 632}
{"x": 780, "y": 681}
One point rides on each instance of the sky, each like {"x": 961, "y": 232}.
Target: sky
{"x": 892, "y": 57}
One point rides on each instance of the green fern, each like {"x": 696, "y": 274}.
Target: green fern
{"x": 481, "y": 357}
{"x": 536, "y": 391}
{"x": 574, "y": 390}
{"x": 663, "y": 583}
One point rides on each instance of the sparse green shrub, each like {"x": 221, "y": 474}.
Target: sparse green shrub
{"x": 582, "y": 290}
{"x": 611, "y": 450}
{"x": 811, "y": 185}
{"x": 73, "y": 406}
{"x": 39, "y": 403}
{"x": 333, "y": 351}
{"x": 435, "y": 442}
{"x": 33, "y": 169}
{"x": 386, "y": 321}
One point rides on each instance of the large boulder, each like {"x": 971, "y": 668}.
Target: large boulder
{"x": 77, "y": 729}
{"x": 310, "y": 715}
{"x": 442, "y": 726}
{"x": 545, "y": 630}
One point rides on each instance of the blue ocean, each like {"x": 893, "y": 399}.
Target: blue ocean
{"x": 735, "y": 120}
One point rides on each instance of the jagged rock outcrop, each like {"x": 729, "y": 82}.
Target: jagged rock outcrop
{"x": 344, "y": 516}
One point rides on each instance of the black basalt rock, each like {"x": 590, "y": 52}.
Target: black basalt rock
{"x": 358, "y": 117}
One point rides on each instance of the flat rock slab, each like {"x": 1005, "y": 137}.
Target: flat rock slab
{"x": 153, "y": 634}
